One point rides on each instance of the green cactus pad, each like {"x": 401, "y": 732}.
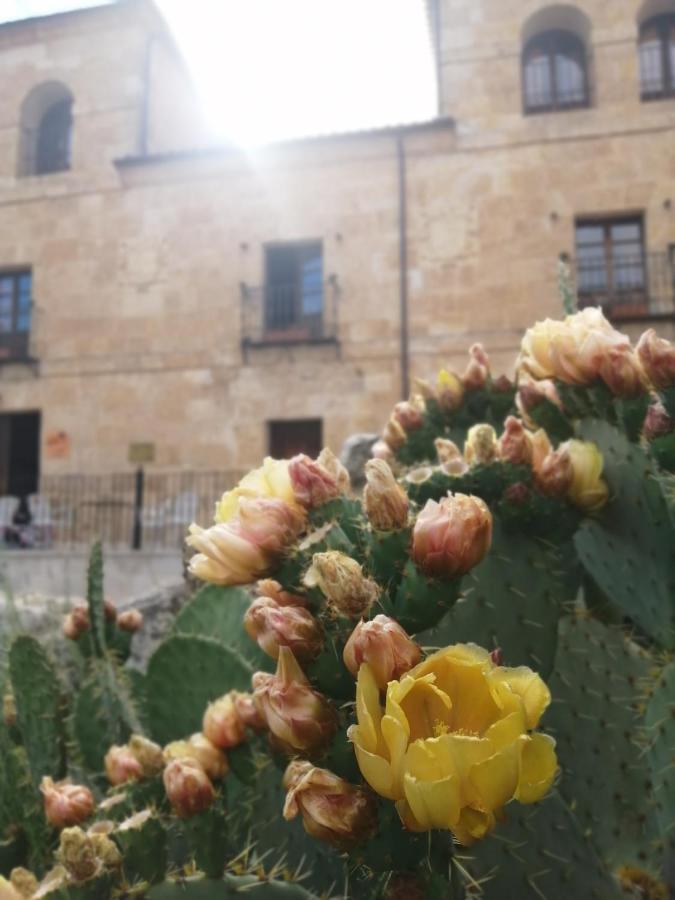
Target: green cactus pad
{"x": 597, "y": 694}
{"x": 98, "y": 717}
{"x": 95, "y": 599}
{"x": 629, "y": 550}
{"x": 420, "y": 602}
{"x": 247, "y": 886}
{"x": 38, "y": 706}
{"x": 512, "y": 600}
{"x": 144, "y": 851}
{"x": 218, "y": 612}
{"x": 660, "y": 735}
{"x": 186, "y": 673}
{"x": 540, "y": 851}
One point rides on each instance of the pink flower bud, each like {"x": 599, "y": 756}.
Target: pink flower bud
{"x": 381, "y": 450}
{"x": 332, "y": 810}
{"x": 657, "y": 422}
{"x": 66, "y": 803}
{"x": 502, "y": 385}
{"x": 188, "y": 787}
{"x": 553, "y": 476}
{"x": 658, "y": 359}
{"x": 394, "y": 435}
{"x": 342, "y": 582}
{"x": 478, "y": 370}
{"x": 248, "y": 711}
{"x": 385, "y": 646}
{"x": 268, "y": 587}
{"x": 515, "y": 444}
{"x": 121, "y": 765}
{"x": 148, "y": 754}
{"x": 622, "y": 373}
{"x": 480, "y": 448}
{"x": 452, "y": 536}
{"x": 76, "y": 622}
{"x": 202, "y": 751}
{"x": 274, "y": 626}
{"x": 312, "y": 484}
{"x": 409, "y": 416}
{"x": 222, "y": 724}
{"x": 130, "y": 620}
{"x": 532, "y": 393}
{"x": 298, "y": 716}
{"x": 497, "y": 656}
{"x": 517, "y": 494}
{"x": 385, "y": 501}
{"x": 109, "y": 611}
{"x": 447, "y": 451}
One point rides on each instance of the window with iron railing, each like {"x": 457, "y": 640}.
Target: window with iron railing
{"x": 657, "y": 58}
{"x": 294, "y": 289}
{"x": 555, "y": 74}
{"x": 15, "y": 314}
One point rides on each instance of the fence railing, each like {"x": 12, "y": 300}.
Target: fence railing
{"x": 627, "y": 286}
{"x": 135, "y": 510}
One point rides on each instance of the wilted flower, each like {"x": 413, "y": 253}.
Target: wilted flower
{"x": 480, "y": 448}
{"x": 515, "y": 444}
{"x": 313, "y": 484}
{"x": 394, "y": 435}
{"x": 148, "y": 754}
{"x": 409, "y": 414}
{"x": 66, "y": 803}
{"x": 622, "y": 373}
{"x": 200, "y": 749}
{"x": 22, "y": 881}
{"x": 78, "y": 854}
{"x": 332, "y": 810}
{"x": 297, "y": 715}
{"x": 449, "y": 391}
{"x": 342, "y": 582}
{"x": 658, "y": 359}
{"x": 587, "y": 490}
{"x": 478, "y": 370}
{"x": 188, "y": 787}
{"x": 638, "y": 883}
{"x": 419, "y": 475}
{"x": 455, "y": 744}
{"x": 334, "y": 467}
{"x": 121, "y": 765}
{"x": 452, "y": 536}
{"x": 271, "y": 481}
{"x": 657, "y": 422}
{"x": 130, "y": 620}
{"x": 105, "y": 849}
{"x": 273, "y": 626}
{"x": 385, "y": 501}
{"x": 553, "y": 476}
{"x": 385, "y": 646}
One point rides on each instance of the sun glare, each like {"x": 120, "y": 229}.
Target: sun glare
{"x": 275, "y": 69}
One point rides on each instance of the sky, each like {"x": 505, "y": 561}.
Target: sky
{"x": 270, "y": 70}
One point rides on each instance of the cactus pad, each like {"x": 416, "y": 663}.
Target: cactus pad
{"x": 660, "y": 734}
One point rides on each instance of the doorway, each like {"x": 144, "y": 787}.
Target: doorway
{"x": 19, "y": 453}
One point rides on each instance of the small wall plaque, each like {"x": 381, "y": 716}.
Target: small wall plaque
{"x": 141, "y": 453}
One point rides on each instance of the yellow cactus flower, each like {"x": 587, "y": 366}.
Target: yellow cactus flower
{"x": 588, "y": 489}
{"x": 272, "y": 479}
{"x": 453, "y": 743}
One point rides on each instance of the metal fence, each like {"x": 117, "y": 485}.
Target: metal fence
{"x": 628, "y": 286}
{"x": 124, "y": 510}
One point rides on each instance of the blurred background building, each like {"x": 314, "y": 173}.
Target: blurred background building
{"x": 186, "y": 306}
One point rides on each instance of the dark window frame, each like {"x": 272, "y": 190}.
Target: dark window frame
{"x": 551, "y": 44}
{"x": 291, "y": 320}
{"x": 53, "y": 138}
{"x": 665, "y": 26}
{"x": 278, "y": 425}
{"x": 14, "y": 342}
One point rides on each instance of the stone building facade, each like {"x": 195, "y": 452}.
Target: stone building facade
{"x": 216, "y": 304}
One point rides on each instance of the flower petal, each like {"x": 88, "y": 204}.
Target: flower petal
{"x": 496, "y": 779}
{"x": 473, "y": 825}
{"x": 538, "y": 766}
{"x": 434, "y": 804}
{"x": 527, "y": 685}
{"x": 368, "y": 709}
{"x": 375, "y": 769}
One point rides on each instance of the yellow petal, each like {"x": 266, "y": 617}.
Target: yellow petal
{"x": 507, "y": 730}
{"x": 538, "y": 765}
{"x": 457, "y": 754}
{"x": 496, "y": 779}
{"x": 407, "y": 817}
{"x": 523, "y": 683}
{"x": 434, "y": 804}
{"x": 396, "y": 740}
{"x": 427, "y": 710}
{"x": 374, "y": 769}
{"x": 368, "y": 709}
{"x": 473, "y": 825}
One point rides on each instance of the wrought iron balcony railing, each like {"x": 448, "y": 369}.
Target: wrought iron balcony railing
{"x": 628, "y": 287}
{"x": 281, "y": 314}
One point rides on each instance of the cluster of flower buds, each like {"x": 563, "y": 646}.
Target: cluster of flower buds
{"x": 188, "y": 788}
{"x": 385, "y": 501}
{"x": 317, "y": 481}
{"x": 275, "y": 624}
{"x": 66, "y": 803}
{"x": 340, "y": 579}
{"x": 480, "y": 448}
{"x": 299, "y": 719}
{"x": 77, "y": 621}
{"x": 384, "y": 646}
{"x": 658, "y": 360}
{"x": 226, "y": 719}
{"x": 199, "y": 749}
{"x": 134, "y": 761}
{"x": 332, "y": 809}
{"x": 452, "y": 536}
{"x": 85, "y": 855}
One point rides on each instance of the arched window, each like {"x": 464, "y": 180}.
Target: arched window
{"x": 555, "y": 75}
{"x": 46, "y": 130}
{"x": 657, "y": 57}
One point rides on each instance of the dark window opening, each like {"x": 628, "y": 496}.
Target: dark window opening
{"x": 53, "y": 139}
{"x": 294, "y": 293}
{"x": 19, "y": 454}
{"x": 288, "y": 438}
{"x": 555, "y": 75}
{"x": 15, "y": 314}
{"x": 611, "y": 264}
{"x": 657, "y": 58}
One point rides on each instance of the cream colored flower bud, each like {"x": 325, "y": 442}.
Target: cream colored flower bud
{"x": 541, "y": 447}
{"x": 268, "y": 587}
{"x": 274, "y": 626}
{"x": 409, "y": 414}
{"x": 478, "y": 370}
{"x": 423, "y": 388}
{"x": 385, "y": 646}
{"x": 332, "y": 810}
{"x": 658, "y": 359}
{"x": 480, "y": 448}
{"x": 78, "y": 854}
{"x": 121, "y": 765}
{"x": 313, "y": 485}
{"x": 553, "y": 476}
{"x": 66, "y": 803}
{"x": 587, "y": 489}
{"x": 9, "y": 892}
{"x": 342, "y": 582}
{"x": 447, "y": 451}
{"x": 621, "y": 371}
{"x": 203, "y": 751}
{"x": 302, "y": 719}
{"x": 106, "y": 850}
{"x": 148, "y": 753}
{"x": 130, "y": 620}
{"x": 334, "y": 467}
{"x": 222, "y": 723}
{"x": 515, "y": 444}
{"x": 449, "y": 391}
{"x": 385, "y": 501}
{"x": 394, "y": 435}
{"x": 382, "y": 450}
{"x": 452, "y": 536}
{"x": 248, "y": 711}
{"x": 22, "y": 881}
{"x": 188, "y": 787}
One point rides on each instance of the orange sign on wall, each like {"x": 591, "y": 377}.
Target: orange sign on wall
{"x": 57, "y": 445}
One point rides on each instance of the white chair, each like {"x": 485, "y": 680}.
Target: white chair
{"x": 41, "y": 519}
{"x": 8, "y": 507}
